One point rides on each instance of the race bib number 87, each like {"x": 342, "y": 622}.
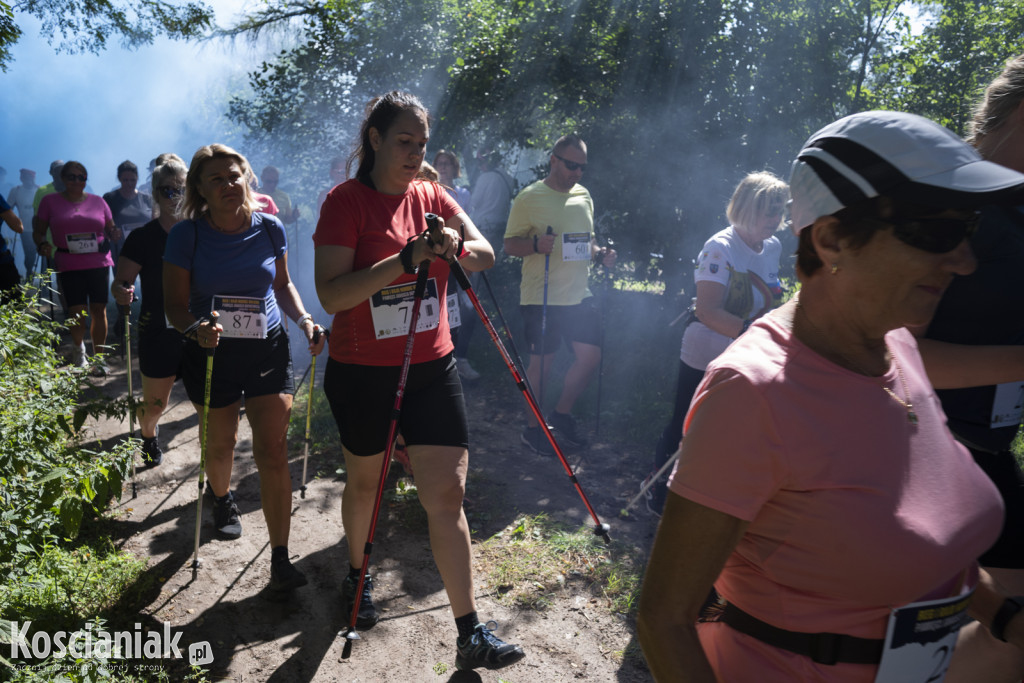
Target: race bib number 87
{"x": 242, "y": 317}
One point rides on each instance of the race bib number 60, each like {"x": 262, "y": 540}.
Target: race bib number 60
{"x": 391, "y": 309}
{"x": 242, "y": 317}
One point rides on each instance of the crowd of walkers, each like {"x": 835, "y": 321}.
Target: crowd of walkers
{"x": 837, "y": 495}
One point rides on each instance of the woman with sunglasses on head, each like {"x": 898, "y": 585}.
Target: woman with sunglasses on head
{"x": 227, "y": 258}
{"x": 981, "y": 308}
{"x": 82, "y": 230}
{"x": 737, "y": 279}
{"x": 369, "y": 241}
{"x": 819, "y": 491}
{"x": 160, "y": 345}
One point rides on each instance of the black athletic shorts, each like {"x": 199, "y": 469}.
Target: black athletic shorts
{"x": 1002, "y": 469}
{"x": 82, "y": 287}
{"x": 580, "y": 323}
{"x": 241, "y": 367}
{"x": 433, "y": 411}
{"x": 161, "y": 352}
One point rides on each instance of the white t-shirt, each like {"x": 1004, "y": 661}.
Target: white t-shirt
{"x": 752, "y": 281}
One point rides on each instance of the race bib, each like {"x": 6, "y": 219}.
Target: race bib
{"x": 391, "y": 309}
{"x": 920, "y": 639}
{"x": 1008, "y": 405}
{"x": 83, "y": 243}
{"x": 575, "y": 246}
{"x": 454, "y": 310}
{"x": 242, "y": 317}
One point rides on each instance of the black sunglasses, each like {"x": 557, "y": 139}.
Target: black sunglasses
{"x": 571, "y": 165}
{"x": 171, "y": 192}
{"x": 76, "y": 176}
{"x": 934, "y": 235}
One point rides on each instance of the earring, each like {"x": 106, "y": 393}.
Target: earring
{"x": 835, "y": 268}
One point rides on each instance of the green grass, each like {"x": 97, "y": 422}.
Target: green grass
{"x": 535, "y": 558}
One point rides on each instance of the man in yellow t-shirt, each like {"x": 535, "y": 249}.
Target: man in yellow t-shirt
{"x": 551, "y": 227}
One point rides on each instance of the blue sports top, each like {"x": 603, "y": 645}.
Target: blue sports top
{"x": 239, "y": 264}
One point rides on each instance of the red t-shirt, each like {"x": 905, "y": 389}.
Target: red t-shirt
{"x": 377, "y": 226}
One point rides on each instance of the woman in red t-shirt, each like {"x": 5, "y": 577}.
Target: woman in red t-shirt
{"x": 370, "y": 236}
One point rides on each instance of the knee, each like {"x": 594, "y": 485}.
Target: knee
{"x": 444, "y": 502}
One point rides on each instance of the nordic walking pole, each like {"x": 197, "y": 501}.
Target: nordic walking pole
{"x": 544, "y": 324}
{"x": 203, "y": 424}
{"x": 604, "y": 320}
{"x": 131, "y": 396}
{"x": 600, "y": 529}
{"x": 403, "y": 375}
{"x": 309, "y": 408}
{"x": 508, "y": 333}
{"x": 624, "y": 512}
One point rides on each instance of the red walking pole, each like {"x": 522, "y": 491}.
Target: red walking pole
{"x": 421, "y": 286}
{"x": 600, "y": 529}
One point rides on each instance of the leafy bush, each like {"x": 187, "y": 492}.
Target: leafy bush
{"x": 48, "y": 480}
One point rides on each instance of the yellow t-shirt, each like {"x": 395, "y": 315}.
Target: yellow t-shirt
{"x": 571, "y": 217}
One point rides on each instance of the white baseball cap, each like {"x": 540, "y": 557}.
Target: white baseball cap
{"x": 901, "y": 155}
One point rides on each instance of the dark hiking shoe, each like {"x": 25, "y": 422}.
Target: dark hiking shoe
{"x": 534, "y": 439}
{"x": 367, "y": 616}
{"x": 285, "y": 577}
{"x": 151, "y": 453}
{"x": 566, "y": 427}
{"x": 226, "y": 516}
{"x": 484, "y": 649}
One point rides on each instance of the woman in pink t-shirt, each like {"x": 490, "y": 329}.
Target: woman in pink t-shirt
{"x": 819, "y": 492}
{"x": 82, "y": 230}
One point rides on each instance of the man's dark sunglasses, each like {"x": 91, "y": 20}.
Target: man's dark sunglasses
{"x": 571, "y": 165}
{"x": 76, "y": 176}
{"x": 934, "y": 235}
{"x": 172, "y": 192}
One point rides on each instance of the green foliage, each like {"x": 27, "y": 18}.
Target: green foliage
{"x": 48, "y": 479}
{"x": 87, "y": 26}
{"x": 941, "y": 72}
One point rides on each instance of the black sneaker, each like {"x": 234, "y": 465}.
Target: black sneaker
{"x": 533, "y": 437}
{"x": 151, "y": 453}
{"x": 285, "y": 577}
{"x": 484, "y": 649}
{"x": 226, "y": 516}
{"x": 566, "y": 426}
{"x": 367, "y": 616}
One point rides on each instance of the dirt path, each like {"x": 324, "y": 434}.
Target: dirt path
{"x": 256, "y": 639}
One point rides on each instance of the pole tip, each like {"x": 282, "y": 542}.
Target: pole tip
{"x": 602, "y": 531}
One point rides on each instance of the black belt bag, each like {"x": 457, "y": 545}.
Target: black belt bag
{"x": 823, "y": 648}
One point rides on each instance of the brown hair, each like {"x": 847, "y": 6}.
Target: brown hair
{"x": 194, "y": 205}
{"x": 381, "y": 113}
{"x": 1002, "y": 97}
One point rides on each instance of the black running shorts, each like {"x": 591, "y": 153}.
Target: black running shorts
{"x": 88, "y": 286}
{"x": 433, "y": 411}
{"x": 580, "y": 323}
{"x": 241, "y": 367}
{"x": 161, "y": 353}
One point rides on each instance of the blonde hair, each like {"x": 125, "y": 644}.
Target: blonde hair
{"x": 758, "y": 195}
{"x": 1002, "y": 97}
{"x": 194, "y": 206}
{"x": 173, "y": 168}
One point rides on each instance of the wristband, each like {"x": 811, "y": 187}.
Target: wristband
{"x": 535, "y": 250}
{"x": 1007, "y": 611}
{"x": 303, "y": 318}
{"x": 405, "y": 256}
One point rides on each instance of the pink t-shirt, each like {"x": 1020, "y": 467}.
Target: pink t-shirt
{"x": 378, "y": 225}
{"x": 853, "y": 510}
{"x": 88, "y": 217}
